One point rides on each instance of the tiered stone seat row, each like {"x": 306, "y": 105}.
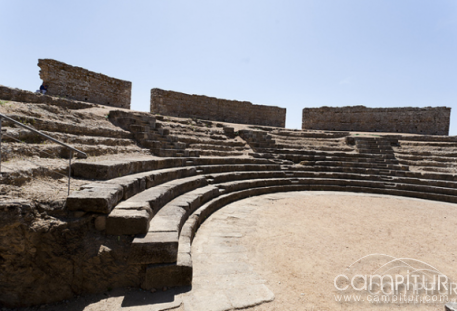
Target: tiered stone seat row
{"x": 162, "y": 202}
{"x": 438, "y": 156}
{"x": 63, "y": 125}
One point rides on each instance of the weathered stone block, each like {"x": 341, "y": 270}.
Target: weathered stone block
{"x": 99, "y": 199}
{"x": 127, "y": 221}
{"x": 154, "y": 248}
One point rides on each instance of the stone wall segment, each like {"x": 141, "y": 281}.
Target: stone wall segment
{"x": 427, "y": 120}
{"x": 84, "y": 85}
{"x": 183, "y": 105}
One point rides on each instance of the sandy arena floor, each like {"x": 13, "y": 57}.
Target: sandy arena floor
{"x": 294, "y": 245}
{"x": 304, "y": 240}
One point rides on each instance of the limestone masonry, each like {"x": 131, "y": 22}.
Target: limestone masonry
{"x": 82, "y": 84}
{"x": 428, "y": 120}
{"x": 210, "y": 108}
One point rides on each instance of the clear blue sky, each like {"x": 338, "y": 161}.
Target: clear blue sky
{"x": 292, "y": 54}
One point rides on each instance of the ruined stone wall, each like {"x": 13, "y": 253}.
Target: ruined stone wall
{"x": 210, "y": 108}
{"x": 82, "y": 84}
{"x": 428, "y": 120}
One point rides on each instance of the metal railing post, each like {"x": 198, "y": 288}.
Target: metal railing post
{"x": 69, "y": 170}
{"x": 0, "y": 145}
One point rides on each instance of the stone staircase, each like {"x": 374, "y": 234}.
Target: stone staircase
{"x": 295, "y": 146}
{"x": 170, "y": 137}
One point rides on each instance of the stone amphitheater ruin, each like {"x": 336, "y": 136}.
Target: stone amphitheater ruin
{"x": 151, "y": 179}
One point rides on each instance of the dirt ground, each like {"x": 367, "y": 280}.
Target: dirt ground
{"x": 304, "y": 241}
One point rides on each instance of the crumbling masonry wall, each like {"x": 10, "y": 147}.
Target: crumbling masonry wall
{"x": 428, "y": 120}
{"x": 210, "y": 108}
{"x": 84, "y": 85}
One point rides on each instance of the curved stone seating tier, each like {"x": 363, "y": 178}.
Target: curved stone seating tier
{"x": 161, "y": 202}
{"x": 218, "y": 153}
{"x": 309, "y": 134}
{"x": 179, "y": 273}
{"x": 396, "y": 173}
{"x": 314, "y": 156}
{"x": 102, "y": 197}
{"x": 104, "y": 170}
{"x": 435, "y": 156}
{"x": 427, "y": 156}
{"x": 323, "y": 147}
{"x": 217, "y": 147}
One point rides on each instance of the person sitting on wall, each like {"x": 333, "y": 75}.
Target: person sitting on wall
{"x": 43, "y": 88}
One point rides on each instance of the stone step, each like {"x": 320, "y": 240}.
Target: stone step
{"x": 297, "y": 158}
{"x": 428, "y": 144}
{"x": 208, "y": 169}
{"x": 306, "y": 139}
{"x": 218, "y": 153}
{"x": 104, "y": 170}
{"x": 221, "y": 161}
{"x": 356, "y": 159}
{"x": 361, "y": 165}
{"x": 68, "y": 128}
{"x": 231, "y": 176}
{"x": 428, "y": 157}
{"x": 316, "y": 147}
{"x": 51, "y": 150}
{"x": 259, "y": 145}
{"x": 164, "y": 152}
{"x": 323, "y": 153}
{"x": 215, "y": 147}
{"x": 30, "y": 137}
{"x": 388, "y": 178}
{"x": 255, "y": 183}
{"x": 153, "y": 144}
{"x": 428, "y": 169}
{"x": 170, "y": 219}
{"x": 429, "y": 163}
{"x": 374, "y": 171}
{"x": 154, "y": 198}
{"x": 375, "y": 150}
{"x": 140, "y": 128}
{"x": 207, "y": 141}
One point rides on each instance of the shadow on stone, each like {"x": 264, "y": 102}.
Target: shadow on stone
{"x": 136, "y": 298}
